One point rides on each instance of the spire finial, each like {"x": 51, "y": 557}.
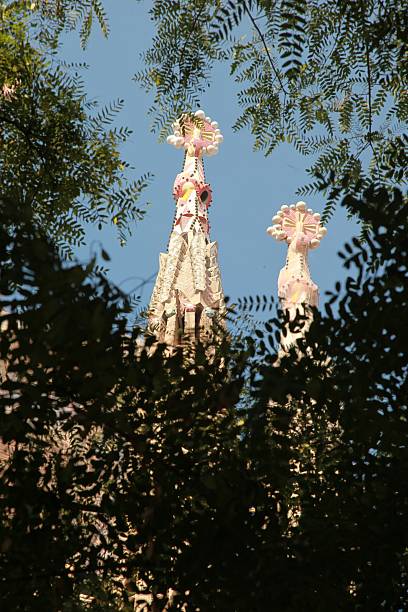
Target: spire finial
{"x": 197, "y": 134}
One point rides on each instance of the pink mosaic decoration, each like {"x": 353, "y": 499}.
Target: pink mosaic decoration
{"x": 297, "y": 221}
{"x": 184, "y": 184}
{"x": 197, "y": 134}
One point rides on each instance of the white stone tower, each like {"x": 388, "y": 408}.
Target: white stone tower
{"x": 187, "y": 298}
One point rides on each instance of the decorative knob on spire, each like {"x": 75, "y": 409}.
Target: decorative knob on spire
{"x": 197, "y": 134}
{"x": 300, "y": 222}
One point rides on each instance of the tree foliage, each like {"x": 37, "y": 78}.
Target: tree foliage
{"x": 237, "y": 478}
{"x": 250, "y": 481}
{"x": 180, "y": 59}
{"x": 51, "y": 17}
{"x": 327, "y": 77}
{"x": 58, "y": 155}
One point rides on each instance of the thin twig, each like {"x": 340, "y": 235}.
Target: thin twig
{"x": 370, "y": 118}
{"x": 370, "y": 111}
{"x": 261, "y": 36}
{"x": 328, "y": 56}
{"x": 192, "y": 31}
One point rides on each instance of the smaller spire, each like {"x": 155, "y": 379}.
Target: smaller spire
{"x": 301, "y": 229}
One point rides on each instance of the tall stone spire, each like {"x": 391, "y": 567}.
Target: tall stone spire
{"x": 301, "y": 229}
{"x": 188, "y": 297}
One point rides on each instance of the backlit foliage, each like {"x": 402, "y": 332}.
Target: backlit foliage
{"x": 179, "y": 62}
{"x": 327, "y": 77}
{"x": 58, "y": 153}
{"x": 51, "y": 17}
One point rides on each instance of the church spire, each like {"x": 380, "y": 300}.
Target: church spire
{"x": 188, "y": 294}
{"x": 301, "y": 229}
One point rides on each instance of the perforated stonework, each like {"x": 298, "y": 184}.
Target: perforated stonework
{"x": 187, "y": 297}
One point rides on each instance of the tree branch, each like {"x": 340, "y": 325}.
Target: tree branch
{"x": 261, "y": 36}
{"x": 370, "y": 110}
{"x": 191, "y": 32}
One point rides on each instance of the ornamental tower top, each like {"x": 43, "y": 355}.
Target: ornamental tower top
{"x": 301, "y": 229}
{"x": 188, "y": 297}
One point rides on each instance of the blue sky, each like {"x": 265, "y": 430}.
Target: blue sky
{"x": 247, "y": 187}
